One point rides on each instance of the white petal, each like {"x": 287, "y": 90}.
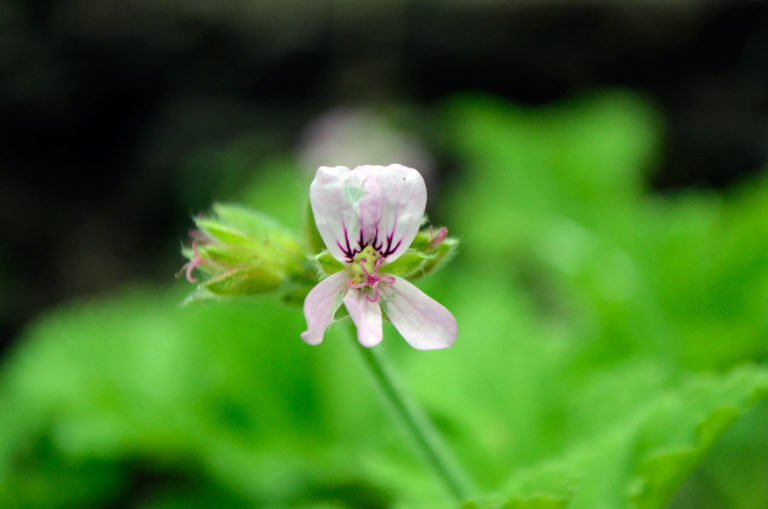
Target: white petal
{"x": 422, "y": 321}
{"x": 346, "y": 206}
{"x": 366, "y": 315}
{"x": 379, "y": 205}
{"x": 404, "y": 197}
{"x": 320, "y": 305}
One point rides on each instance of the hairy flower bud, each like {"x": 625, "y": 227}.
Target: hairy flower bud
{"x": 243, "y": 252}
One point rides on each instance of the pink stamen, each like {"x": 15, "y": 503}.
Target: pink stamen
{"x": 371, "y": 279}
{"x": 376, "y": 296}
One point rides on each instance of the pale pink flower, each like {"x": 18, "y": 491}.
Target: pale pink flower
{"x": 368, "y": 217}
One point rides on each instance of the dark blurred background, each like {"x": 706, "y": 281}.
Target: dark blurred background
{"x": 106, "y": 105}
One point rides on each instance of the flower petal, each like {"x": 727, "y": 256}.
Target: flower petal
{"x": 422, "y": 321}
{"x": 404, "y": 198}
{"x": 379, "y": 205}
{"x": 367, "y": 317}
{"x": 346, "y": 206}
{"x": 320, "y": 305}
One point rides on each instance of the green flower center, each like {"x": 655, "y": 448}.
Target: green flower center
{"x": 370, "y": 255}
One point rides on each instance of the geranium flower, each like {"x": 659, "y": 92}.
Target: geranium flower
{"x": 368, "y": 217}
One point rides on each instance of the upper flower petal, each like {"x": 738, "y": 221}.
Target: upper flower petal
{"x": 422, "y": 321}
{"x": 378, "y": 205}
{"x": 320, "y": 305}
{"x": 367, "y": 317}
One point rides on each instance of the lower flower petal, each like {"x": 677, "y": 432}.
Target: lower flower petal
{"x": 320, "y": 305}
{"x": 366, "y": 315}
{"x": 422, "y": 321}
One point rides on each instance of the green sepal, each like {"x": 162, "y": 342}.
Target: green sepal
{"x": 311, "y": 234}
{"x": 250, "y": 222}
{"x": 220, "y": 232}
{"x": 417, "y": 263}
{"x": 239, "y": 226}
{"x": 243, "y": 281}
{"x": 442, "y": 253}
{"x": 225, "y": 254}
{"x": 326, "y": 264}
{"x": 422, "y": 241}
{"x": 409, "y": 264}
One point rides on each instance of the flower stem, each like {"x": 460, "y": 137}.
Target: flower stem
{"x": 417, "y": 425}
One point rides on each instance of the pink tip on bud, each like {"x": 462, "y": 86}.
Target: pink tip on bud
{"x": 437, "y": 238}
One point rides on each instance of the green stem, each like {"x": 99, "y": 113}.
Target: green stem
{"x": 424, "y": 435}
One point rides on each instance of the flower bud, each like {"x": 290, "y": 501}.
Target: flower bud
{"x": 242, "y": 252}
{"x": 326, "y": 264}
{"x": 428, "y": 250}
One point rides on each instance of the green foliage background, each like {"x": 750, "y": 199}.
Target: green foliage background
{"x": 612, "y": 350}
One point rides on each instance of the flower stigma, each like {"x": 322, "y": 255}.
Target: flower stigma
{"x": 192, "y": 264}
{"x": 365, "y": 272}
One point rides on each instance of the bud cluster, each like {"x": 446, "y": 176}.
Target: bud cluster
{"x": 243, "y": 252}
